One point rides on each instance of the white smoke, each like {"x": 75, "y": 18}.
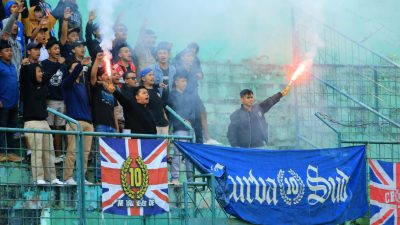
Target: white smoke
{"x": 106, "y": 14}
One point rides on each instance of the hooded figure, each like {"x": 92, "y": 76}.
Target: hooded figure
{"x": 20, "y": 35}
{"x": 34, "y": 91}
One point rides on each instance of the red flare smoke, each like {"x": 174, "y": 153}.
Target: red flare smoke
{"x": 303, "y": 67}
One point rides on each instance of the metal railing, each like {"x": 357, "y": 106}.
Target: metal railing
{"x": 59, "y": 204}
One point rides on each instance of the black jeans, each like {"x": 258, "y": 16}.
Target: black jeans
{"x": 8, "y": 118}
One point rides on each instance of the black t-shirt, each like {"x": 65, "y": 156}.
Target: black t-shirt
{"x": 165, "y": 75}
{"x": 103, "y": 104}
{"x": 66, "y": 51}
{"x": 156, "y": 106}
{"x": 54, "y": 85}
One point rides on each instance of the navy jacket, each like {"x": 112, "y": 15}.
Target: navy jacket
{"x": 8, "y": 85}
{"x": 248, "y": 129}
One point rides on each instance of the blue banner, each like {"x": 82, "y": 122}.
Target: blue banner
{"x": 325, "y": 186}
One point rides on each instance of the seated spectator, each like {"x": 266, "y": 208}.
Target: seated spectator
{"x": 75, "y": 21}
{"x": 13, "y": 9}
{"x": 8, "y": 102}
{"x": 163, "y": 72}
{"x": 144, "y": 51}
{"x": 156, "y": 103}
{"x": 141, "y": 121}
{"x": 93, "y": 29}
{"x": 76, "y": 98}
{"x": 187, "y": 107}
{"x": 33, "y": 84}
{"x": 37, "y": 19}
{"x": 55, "y": 99}
{"x": 124, "y": 63}
{"x": 68, "y": 36}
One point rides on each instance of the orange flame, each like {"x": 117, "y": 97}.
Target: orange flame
{"x": 107, "y": 62}
{"x": 305, "y": 65}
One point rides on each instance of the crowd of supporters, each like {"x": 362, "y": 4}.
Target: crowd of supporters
{"x": 66, "y": 71}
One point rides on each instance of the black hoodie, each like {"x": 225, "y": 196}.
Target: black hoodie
{"x": 140, "y": 118}
{"x": 33, "y": 93}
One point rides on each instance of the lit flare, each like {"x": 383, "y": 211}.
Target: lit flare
{"x": 304, "y": 66}
{"x": 107, "y": 62}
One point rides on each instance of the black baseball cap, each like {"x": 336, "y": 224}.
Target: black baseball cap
{"x": 51, "y": 42}
{"x": 33, "y": 45}
{"x": 77, "y": 43}
{"x": 74, "y": 29}
{"x": 4, "y": 44}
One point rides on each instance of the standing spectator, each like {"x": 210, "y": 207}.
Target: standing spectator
{"x": 33, "y": 84}
{"x": 188, "y": 108}
{"x": 40, "y": 38}
{"x": 13, "y": 10}
{"x": 156, "y": 103}
{"x": 10, "y": 26}
{"x": 127, "y": 91}
{"x": 142, "y": 121}
{"x": 37, "y": 19}
{"x": 248, "y": 128}
{"x": 92, "y": 29}
{"x": 125, "y": 62}
{"x": 68, "y": 36}
{"x": 76, "y": 98}
{"x": 33, "y": 51}
{"x": 163, "y": 72}
{"x": 129, "y": 83}
{"x": 104, "y": 103}
{"x": 121, "y": 37}
{"x": 46, "y": 10}
{"x": 103, "y": 106}
{"x": 196, "y": 64}
{"x": 75, "y": 21}
{"x": 8, "y": 101}
{"x": 55, "y": 64}
{"x": 144, "y": 51}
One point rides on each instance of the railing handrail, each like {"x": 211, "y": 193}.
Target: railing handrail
{"x": 365, "y": 106}
{"x": 67, "y": 118}
{"x": 183, "y": 121}
{"x": 353, "y": 41}
{"x": 363, "y": 46}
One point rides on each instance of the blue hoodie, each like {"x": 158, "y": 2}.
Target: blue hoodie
{"x": 20, "y": 35}
{"x": 9, "y": 85}
{"x": 76, "y": 96}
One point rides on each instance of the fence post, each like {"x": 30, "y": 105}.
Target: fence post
{"x": 213, "y": 216}
{"x": 79, "y": 165}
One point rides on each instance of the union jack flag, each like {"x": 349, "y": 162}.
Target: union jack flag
{"x": 384, "y": 192}
{"x": 116, "y": 198}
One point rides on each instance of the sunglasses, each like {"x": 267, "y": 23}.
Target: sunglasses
{"x": 132, "y": 78}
